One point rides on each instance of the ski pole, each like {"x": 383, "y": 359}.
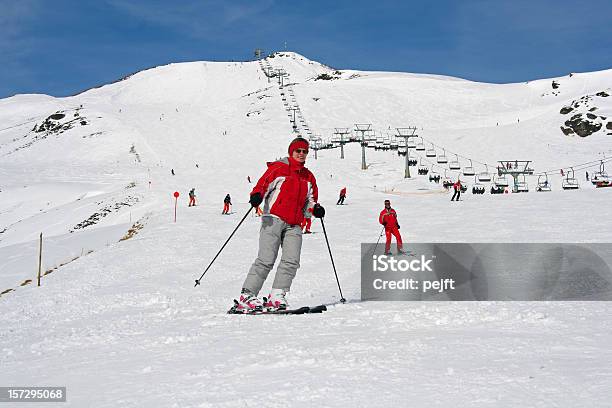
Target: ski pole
{"x": 379, "y": 236}
{"x": 342, "y": 299}
{"x": 197, "y": 282}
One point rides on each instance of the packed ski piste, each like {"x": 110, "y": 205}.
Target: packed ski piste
{"x": 275, "y": 193}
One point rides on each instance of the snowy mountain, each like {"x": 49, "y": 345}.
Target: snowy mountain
{"x": 122, "y": 316}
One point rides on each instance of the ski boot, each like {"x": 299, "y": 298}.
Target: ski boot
{"x": 276, "y": 300}
{"x": 247, "y": 303}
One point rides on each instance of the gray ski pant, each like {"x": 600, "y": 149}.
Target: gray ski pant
{"x": 275, "y": 233}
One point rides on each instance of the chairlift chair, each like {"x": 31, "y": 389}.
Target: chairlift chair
{"x": 477, "y": 187}
{"x": 420, "y": 146}
{"x": 501, "y": 181}
{"x": 469, "y": 170}
{"x": 447, "y": 182}
{"x": 434, "y": 176}
{"x": 431, "y": 152}
{"x": 485, "y": 176}
{"x": 394, "y": 144}
{"x": 521, "y": 185}
{"x": 455, "y": 165}
{"x": 601, "y": 176}
{"x": 379, "y": 143}
{"x": 411, "y": 144}
{"x": 387, "y": 144}
{"x": 443, "y": 159}
{"x": 543, "y": 184}
{"x": 570, "y": 183}
{"x": 401, "y": 151}
{"x": 422, "y": 170}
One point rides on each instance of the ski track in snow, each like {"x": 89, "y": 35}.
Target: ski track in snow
{"x": 124, "y": 326}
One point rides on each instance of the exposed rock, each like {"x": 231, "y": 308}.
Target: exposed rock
{"x": 591, "y": 116}
{"x": 581, "y": 126}
{"x": 567, "y": 131}
{"x": 603, "y": 94}
{"x": 609, "y": 125}
{"x": 565, "y": 110}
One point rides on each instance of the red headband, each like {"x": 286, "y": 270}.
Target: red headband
{"x": 298, "y": 143}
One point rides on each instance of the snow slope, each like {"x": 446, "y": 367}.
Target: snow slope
{"x": 123, "y": 325}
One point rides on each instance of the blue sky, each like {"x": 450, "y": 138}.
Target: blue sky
{"x": 62, "y": 47}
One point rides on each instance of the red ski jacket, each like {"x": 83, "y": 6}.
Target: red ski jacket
{"x": 289, "y": 190}
{"x": 343, "y": 192}
{"x": 457, "y": 185}
{"x": 388, "y": 218}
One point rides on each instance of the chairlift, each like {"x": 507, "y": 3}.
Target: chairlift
{"x": 601, "y": 175}
{"x": 469, "y": 171}
{"x": 455, "y": 165}
{"x": 420, "y": 146}
{"x": 412, "y": 162}
{"x": 521, "y": 184}
{"x": 431, "y": 152}
{"x": 411, "y": 144}
{"x": 401, "y": 151}
{"x": 477, "y": 187}
{"x": 570, "y": 183}
{"x": 443, "y": 159}
{"x": 543, "y": 184}
{"x": 485, "y": 176}
{"x": 394, "y": 144}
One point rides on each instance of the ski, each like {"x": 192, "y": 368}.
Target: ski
{"x": 298, "y": 311}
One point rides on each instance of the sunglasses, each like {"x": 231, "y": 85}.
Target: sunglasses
{"x": 299, "y": 151}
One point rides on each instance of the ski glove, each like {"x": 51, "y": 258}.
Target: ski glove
{"x": 256, "y": 199}
{"x": 318, "y": 211}
{"x": 398, "y": 227}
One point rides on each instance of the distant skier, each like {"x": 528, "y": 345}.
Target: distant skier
{"x": 307, "y": 223}
{"x": 342, "y": 196}
{"x": 289, "y": 190}
{"x": 562, "y": 174}
{"x": 587, "y": 176}
{"x": 192, "y": 198}
{"x": 227, "y": 202}
{"x": 172, "y": 171}
{"x": 388, "y": 218}
{"x": 457, "y": 187}
{"x": 249, "y": 179}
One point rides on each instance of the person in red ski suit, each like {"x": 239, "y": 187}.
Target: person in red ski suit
{"x": 342, "y": 196}
{"x": 227, "y": 201}
{"x": 307, "y": 222}
{"x": 192, "y": 197}
{"x": 288, "y": 191}
{"x": 457, "y": 188}
{"x": 388, "y": 218}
